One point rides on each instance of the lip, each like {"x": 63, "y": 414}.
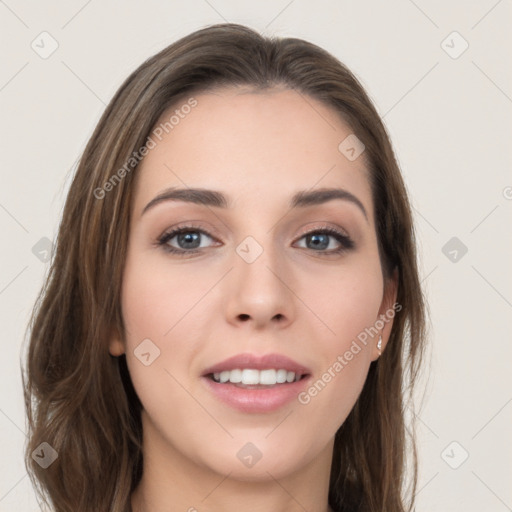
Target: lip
{"x": 256, "y": 400}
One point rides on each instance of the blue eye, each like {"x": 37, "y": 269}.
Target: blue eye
{"x": 320, "y": 240}
{"x": 188, "y": 239}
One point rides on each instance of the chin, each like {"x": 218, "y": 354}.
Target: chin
{"x": 258, "y": 461}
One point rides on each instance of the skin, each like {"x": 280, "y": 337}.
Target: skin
{"x": 259, "y": 148}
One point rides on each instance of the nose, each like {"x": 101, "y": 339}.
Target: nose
{"x": 260, "y": 292}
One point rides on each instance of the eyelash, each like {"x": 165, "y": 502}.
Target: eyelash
{"x": 346, "y": 243}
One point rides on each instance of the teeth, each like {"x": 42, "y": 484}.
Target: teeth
{"x": 268, "y": 377}
{"x": 249, "y": 376}
{"x": 235, "y": 376}
{"x": 281, "y": 376}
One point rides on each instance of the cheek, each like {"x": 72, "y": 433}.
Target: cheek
{"x": 159, "y": 298}
{"x": 345, "y": 301}
{"x": 345, "y": 354}
{"x": 347, "y": 304}
{"x": 169, "y": 306}
{"x": 155, "y": 301}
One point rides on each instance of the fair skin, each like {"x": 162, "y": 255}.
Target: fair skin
{"x": 258, "y": 149}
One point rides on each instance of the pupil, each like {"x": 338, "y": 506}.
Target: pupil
{"x": 188, "y": 238}
{"x": 314, "y": 239}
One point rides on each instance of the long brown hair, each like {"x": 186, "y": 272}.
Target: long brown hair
{"x": 80, "y": 400}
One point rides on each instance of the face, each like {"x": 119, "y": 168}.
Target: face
{"x": 256, "y": 279}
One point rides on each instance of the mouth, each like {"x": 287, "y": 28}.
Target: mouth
{"x": 256, "y": 384}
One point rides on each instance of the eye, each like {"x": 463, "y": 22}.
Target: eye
{"x": 188, "y": 239}
{"x": 319, "y": 239}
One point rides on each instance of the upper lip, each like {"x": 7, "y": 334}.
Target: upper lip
{"x": 258, "y": 362}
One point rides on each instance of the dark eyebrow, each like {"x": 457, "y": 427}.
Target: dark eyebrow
{"x": 199, "y": 196}
{"x": 217, "y": 199}
{"x": 323, "y": 195}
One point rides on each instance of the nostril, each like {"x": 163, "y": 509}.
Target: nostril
{"x": 244, "y": 317}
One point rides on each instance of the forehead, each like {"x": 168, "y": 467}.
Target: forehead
{"x": 256, "y": 146}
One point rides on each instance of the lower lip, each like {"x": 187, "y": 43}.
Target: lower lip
{"x": 256, "y": 400}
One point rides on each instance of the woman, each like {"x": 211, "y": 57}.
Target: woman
{"x": 233, "y": 312}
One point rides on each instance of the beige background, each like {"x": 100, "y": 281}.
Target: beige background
{"x": 450, "y": 121}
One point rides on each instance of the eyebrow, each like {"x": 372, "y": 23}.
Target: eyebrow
{"x": 216, "y": 199}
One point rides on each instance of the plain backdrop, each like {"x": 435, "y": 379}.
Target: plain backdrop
{"x": 437, "y": 73}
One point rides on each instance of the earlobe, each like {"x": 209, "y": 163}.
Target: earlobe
{"x": 387, "y": 312}
{"x": 115, "y": 344}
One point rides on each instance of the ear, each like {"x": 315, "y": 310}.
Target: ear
{"x": 115, "y": 343}
{"x": 387, "y": 311}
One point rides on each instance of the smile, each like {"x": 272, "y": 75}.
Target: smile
{"x": 253, "y": 383}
